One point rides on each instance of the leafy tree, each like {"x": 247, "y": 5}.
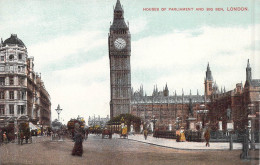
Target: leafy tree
{"x": 127, "y": 119}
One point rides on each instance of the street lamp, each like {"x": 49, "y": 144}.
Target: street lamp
{"x": 58, "y": 111}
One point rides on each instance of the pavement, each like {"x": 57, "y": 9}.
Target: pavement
{"x": 171, "y": 143}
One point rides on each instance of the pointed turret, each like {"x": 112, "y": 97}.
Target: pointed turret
{"x": 248, "y": 72}
{"x": 197, "y": 92}
{"x": 166, "y": 91}
{"x": 208, "y": 74}
{"x": 118, "y": 6}
{"x": 208, "y": 82}
{"x": 119, "y": 22}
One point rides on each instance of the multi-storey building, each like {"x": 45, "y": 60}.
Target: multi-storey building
{"x": 236, "y": 107}
{"x": 97, "y": 121}
{"x": 22, "y": 91}
{"x": 168, "y": 110}
{"x": 217, "y": 107}
{"x": 119, "y": 43}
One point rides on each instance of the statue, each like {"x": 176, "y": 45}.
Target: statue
{"x": 229, "y": 114}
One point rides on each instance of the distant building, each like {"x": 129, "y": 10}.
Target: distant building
{"x": 168, "y": 110}
{"x": 22, "y": 91}
{"x": 97, "y": 121}
{"x": 216, "y": 108}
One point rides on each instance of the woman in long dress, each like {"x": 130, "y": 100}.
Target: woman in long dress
{"x": 78, "y": 148}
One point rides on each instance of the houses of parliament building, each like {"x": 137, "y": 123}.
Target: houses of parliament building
{"x": 216, "y": 108}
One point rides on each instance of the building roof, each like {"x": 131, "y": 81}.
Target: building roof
{"x": 118, "y": 6}
{"x": 118, "y": 22}
{"x": 13, "y": 40}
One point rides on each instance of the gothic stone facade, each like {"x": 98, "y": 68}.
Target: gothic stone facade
{"x": 167, "y": 110}
{"x": 22, "y": 92}
{"x": 119, "y": 43}
{"x": 237, "y": 105}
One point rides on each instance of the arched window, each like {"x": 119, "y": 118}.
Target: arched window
{"x": 11, "y": 57}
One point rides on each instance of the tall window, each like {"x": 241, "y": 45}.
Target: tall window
{"x": 23, "y": 95}
{"x": 20, "y": 109}
{"x": 11, "y": 80}
{"x": 11, "y": 109}
{"x": 2, "y": 109}
{"x": 2, "y": 58}
{"x": 20, "y": 56}
{"x": 2, "y": 69}
{"x": 2, "y": 94}
{"x": 11, "y": 68}
{"x": 2, "y": 81}
{"x": 21, "y": 81}
{"x": 11, "y": 95}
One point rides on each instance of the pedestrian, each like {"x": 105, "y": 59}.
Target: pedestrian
{"x": 145, "y": 134}
{"x": 5, "y": 137}
{"x": 78, "y": 148}
{"x": 86, "y": 134}
{"x": 21, "y": 137}
{"x": 207, "y": 136}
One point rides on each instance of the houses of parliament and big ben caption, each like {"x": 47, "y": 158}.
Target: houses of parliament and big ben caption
{"x": 217, "y": 108}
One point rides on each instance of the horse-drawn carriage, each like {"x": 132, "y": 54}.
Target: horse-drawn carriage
{"x": 106, "y": 132}
{"x": 71, "y": 126}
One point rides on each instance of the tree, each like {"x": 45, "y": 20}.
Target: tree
{"x": 127, "y": 119}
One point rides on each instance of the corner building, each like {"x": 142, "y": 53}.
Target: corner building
{"x": 119, "y": 43}
{"x": 22, "y": 92}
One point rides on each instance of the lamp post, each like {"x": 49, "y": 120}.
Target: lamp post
{"x": 58, "y": 111}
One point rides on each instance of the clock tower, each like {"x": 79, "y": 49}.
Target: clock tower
{"x": 119, "y": 43}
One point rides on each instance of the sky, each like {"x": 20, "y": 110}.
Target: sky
{"x": 69, "y": 43}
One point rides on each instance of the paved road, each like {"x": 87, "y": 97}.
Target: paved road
{"x": 110, "y": 151}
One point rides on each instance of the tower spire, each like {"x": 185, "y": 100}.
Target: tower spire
{"x": 208, "y": 73}
{"x": 119, "y": 22}
{"x": 118, "y": 6}
{"x": 248, "y": 72}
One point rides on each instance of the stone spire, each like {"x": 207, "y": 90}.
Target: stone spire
{"x": 208, "y": 74}
{"x": 248, "y": 72}
{"x": 166, "y": 91}
{"x": 118, "y": 22}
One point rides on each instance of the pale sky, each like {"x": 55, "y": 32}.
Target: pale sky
{"x": 68, "y": 40}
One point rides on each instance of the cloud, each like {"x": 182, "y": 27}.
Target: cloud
{"x": 59, "y": 48}
{"x": 82, "y": 90}
{"x": 138, "y": 25}
{"x": 180, "y": 57}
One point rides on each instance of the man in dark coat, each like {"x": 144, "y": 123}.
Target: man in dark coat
{"x": 78, "y": 137}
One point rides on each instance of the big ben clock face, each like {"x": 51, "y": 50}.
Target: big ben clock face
{"x": 120, "y": 43}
